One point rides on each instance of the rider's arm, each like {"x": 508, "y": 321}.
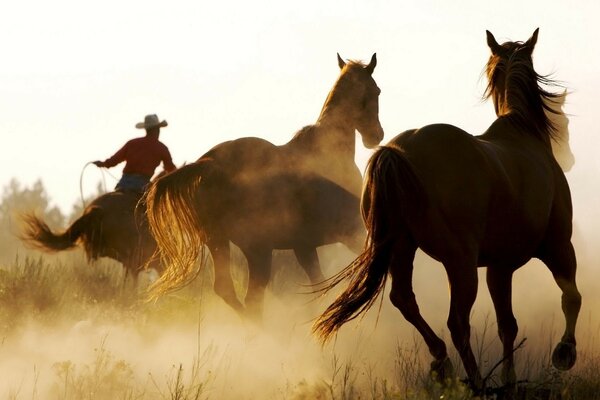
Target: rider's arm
{"x": 167, "y": 161}
{"x": 117, "y": 158}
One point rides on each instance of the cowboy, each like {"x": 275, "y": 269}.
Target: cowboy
{"x": 142, "y": 155}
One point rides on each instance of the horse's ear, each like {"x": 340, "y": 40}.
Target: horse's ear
{"x": 341, "y": 62}
{"x": 371, "y": 67}
{"x": 492, "y": 44}
{"x": 533, "y": 39}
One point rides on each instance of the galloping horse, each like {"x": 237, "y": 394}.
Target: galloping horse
{"x": 494, "y": 200}
{"x": 111, "y": 226}
{"x": 261, "y": 197}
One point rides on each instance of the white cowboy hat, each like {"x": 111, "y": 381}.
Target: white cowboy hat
{"x": 150, "y": 121}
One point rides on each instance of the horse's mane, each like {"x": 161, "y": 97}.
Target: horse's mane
{"x": 303, "y": 135}
{"x": 341, "y": 87}
{"x": 517, "y": 92}
{"x": 355, "y": 64}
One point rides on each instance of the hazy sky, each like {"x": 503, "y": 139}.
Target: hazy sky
{"x": 76, "y": 76}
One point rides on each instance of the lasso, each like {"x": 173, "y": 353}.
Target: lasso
{"x": 104, "y": 172}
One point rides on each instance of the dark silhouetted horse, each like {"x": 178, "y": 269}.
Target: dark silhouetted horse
{"x": 111, "y": 226}
{"x": 261, "y": 197}
{"x": 494, "y": 200}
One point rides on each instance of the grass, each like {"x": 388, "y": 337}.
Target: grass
{"x": 169, "y": 350}
{"x": 109, "y": 378}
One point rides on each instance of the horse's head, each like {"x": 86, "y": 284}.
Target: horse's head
{"x": 518, "y": 90}
{"x": 560, "y": 143}
{"x": 356, "y": 95}
{"x": 504, "y": 56}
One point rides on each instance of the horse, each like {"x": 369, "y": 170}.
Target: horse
{"x": 259, "y": 196}
{"x": 112, "y": 226}
{"x": 494, "y": 200}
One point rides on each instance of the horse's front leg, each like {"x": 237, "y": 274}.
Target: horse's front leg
{"x": 309, "y": 260}
{"x": 259, "y": 274}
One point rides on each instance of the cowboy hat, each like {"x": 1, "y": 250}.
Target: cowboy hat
{"x": 151, "y": 121}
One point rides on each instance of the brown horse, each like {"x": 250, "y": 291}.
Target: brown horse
{"x": 494, "y": 200}
{"x": 109, "y": 227}
{"x": 261, "y": 197}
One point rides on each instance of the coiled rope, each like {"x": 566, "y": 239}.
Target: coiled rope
{"x": 104, "y": 171}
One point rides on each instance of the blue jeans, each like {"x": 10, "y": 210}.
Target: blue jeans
{"x": 135, "y": 182}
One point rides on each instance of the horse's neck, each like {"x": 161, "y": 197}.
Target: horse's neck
{"x": 332, "y": 136}
{"x": 503, "y": 130}
{"x": 326, "y": 149}
{"x": 336, "y": 126}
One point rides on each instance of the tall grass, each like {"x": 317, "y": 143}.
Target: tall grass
{"x": 57, "y": 302}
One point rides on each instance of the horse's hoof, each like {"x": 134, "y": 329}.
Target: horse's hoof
{"x": 442, "y": 370}
{"x": 564, "y": 356}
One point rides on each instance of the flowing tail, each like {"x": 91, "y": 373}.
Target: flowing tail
{"x": 392, "y": 195}
{"x": 85, "y": 229}
{"x": 172, "y": 209}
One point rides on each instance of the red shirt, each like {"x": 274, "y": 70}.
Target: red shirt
{"x": 142, "y": 155}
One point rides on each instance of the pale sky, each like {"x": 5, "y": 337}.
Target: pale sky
{"x": 76, "y": 76}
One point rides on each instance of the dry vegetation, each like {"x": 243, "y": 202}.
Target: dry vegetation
{"x": 71, "y": 331}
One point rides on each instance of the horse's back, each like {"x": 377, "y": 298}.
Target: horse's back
{"x": 449, "y": 162}
{"x": 246, "y": 151}
{"x": 453, "y": 158}
{"x": 120, "y": 216}
{"x": 479, "y": 193}
{"x": 116, "y": 203}
{"x": 440, "y": 141}
{"x": 328, "y": 213}
{"x": 284, "y": 209}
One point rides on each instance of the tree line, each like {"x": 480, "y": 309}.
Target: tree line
{"x": 18, "y": 199}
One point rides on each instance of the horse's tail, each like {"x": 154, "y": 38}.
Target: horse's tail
{"x": 174, "y": 220}
{"x": 391, "y": 191}
{"x": 38, "y": 234}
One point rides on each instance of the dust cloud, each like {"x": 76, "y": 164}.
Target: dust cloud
{"x": 73, "y": 331}
{"x": 88, "y": 342}
{"x": 85, "y": 344}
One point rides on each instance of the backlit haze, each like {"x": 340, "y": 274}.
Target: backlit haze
{"x": 76, "y": 76}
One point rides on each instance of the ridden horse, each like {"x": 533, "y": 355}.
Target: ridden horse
{"x": 495, "y": 200}
{"x": 261, "y": 197}
{"x": 111, "y": 226}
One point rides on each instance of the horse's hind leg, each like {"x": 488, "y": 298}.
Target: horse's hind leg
{"x": 309, "y": 260}
{"x": 403, "y": 298}
{"x": 561, "y": 261}
{"x": 499, "y": 281}
{"x": 219, "y": 249}
{"x": 463, "y": 291}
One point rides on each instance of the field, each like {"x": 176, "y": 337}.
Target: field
{"x": 74, "y": 331}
